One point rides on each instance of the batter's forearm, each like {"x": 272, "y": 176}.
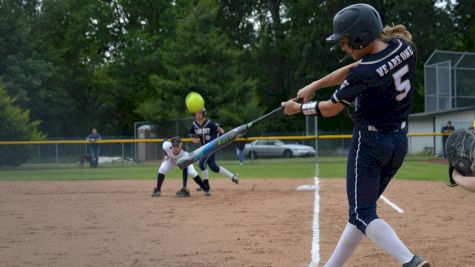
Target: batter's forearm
{"x": 335, "y": 78}
{"x": 330, "y": 109}
{"x": 315, "y": 108}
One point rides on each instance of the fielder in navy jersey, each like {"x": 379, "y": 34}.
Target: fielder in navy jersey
{"x": 204, "y": 131}
{"x": 379, "y": 85}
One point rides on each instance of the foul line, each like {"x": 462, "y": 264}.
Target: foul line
{"x": 316, "y": 212}
{"x": 315, "y": 227}
{"x": 391, "y": 204}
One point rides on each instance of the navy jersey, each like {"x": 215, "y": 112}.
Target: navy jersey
{"x": 381, "y": 86}
{"x": 206, "y": 132}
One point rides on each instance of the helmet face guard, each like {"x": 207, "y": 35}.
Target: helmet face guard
{"x": 361, "y": 23}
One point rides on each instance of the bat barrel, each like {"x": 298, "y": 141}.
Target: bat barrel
{"x": 222, "y": 141}
{"x": 212, "y": 146}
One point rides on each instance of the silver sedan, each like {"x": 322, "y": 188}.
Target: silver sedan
{"x": 277, "y": 148}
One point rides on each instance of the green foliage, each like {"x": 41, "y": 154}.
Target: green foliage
{"x": 464, "y": 17}
{"x": 199, "y": 58}
{"x": 77, "y": 64}
{"x": 15, "y": 125}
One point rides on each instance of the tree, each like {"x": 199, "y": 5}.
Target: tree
{"x": 27, "y": 72}
{"x": 465, "y": 23}
{"x": 15, "y": 125}
{"x": 200, "y": 58}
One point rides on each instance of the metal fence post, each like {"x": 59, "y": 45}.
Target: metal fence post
{"x": 252, "y": 152}
{"x": 57, "y": 153}
{"x": 317, "y": 156}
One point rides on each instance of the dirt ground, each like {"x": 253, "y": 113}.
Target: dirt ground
{"x": 256, "y": 223}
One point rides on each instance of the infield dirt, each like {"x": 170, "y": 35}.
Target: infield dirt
{"x": 256, "y": 223}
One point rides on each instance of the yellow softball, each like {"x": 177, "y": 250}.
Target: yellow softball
{"x": 194, "y": 102}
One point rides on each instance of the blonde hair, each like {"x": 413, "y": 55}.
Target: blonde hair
{"x": 396, "y": 32}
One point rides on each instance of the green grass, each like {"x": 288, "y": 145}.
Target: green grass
{"x": 267, "y": 169}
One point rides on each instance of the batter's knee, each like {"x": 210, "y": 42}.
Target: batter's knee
{"x": 361, "y": 217}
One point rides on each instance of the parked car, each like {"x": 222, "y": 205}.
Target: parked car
{"x": 277, "y": 148}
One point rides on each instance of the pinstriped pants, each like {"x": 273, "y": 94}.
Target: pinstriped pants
{"x": 373, "y": 160}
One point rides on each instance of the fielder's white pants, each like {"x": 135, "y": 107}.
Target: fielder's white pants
{"x": 168, "y": 164}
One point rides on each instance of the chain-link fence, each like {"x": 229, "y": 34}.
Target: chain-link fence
{"x": 127, "y": 152}
{"x": 449, "y": 80}
{"x": 56, "y": 152}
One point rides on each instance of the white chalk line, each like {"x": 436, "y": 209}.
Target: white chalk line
{"x": 391, "y": 204}
{"x": 315, "y": 226}
{"x": 316, "y": 212}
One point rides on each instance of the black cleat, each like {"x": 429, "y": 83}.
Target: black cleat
{"x": 184, "y": 192}
{"x": 417, "y": 261}
{"x": 156, "y": 192}
{"x": 235, "y": 178}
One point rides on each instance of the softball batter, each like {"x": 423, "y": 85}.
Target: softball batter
{"x": 379, "y": 83}
{"x": 173, "y": 152}
{"x": 204, "y": 131}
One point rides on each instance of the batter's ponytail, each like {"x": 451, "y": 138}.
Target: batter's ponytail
{"x": 396, "y": 32}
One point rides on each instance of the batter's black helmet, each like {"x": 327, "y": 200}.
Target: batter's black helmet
{"x": 360, "y": 22}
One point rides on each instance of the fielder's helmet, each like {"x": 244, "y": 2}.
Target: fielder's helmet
{"x": 176, "y": 140}
{"x": 202, "y": 110}
{"x": 360, "y": 22}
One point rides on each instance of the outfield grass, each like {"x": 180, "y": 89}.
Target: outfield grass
{"x": 268, "y": 169}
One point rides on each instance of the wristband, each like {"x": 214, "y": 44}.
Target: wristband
{"x": 311, "y": 108}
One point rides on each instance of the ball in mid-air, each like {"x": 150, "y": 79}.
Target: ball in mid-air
{"x": 194, "y": 102}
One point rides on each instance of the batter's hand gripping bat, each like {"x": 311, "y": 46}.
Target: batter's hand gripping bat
{"x": 222, "y": 141}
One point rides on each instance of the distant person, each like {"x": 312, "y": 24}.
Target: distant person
{"x": 448, "y": 130}
{"x": 472, "y": 129}
{"x": 240, "y": 145}
{"x": 93, "y": 137}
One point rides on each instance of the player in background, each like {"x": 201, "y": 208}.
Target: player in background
{"x": 446, "y": 129}
{"x": 173, "y": 152}
{"x": 204, "y": 131}
{"x": 95, "y": 148}
{"x": 379, "y": 83}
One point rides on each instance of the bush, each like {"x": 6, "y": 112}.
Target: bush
{"x": 15, "y": 125}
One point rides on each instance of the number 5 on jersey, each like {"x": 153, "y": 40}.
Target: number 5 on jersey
{"x": 401, "y": 86}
